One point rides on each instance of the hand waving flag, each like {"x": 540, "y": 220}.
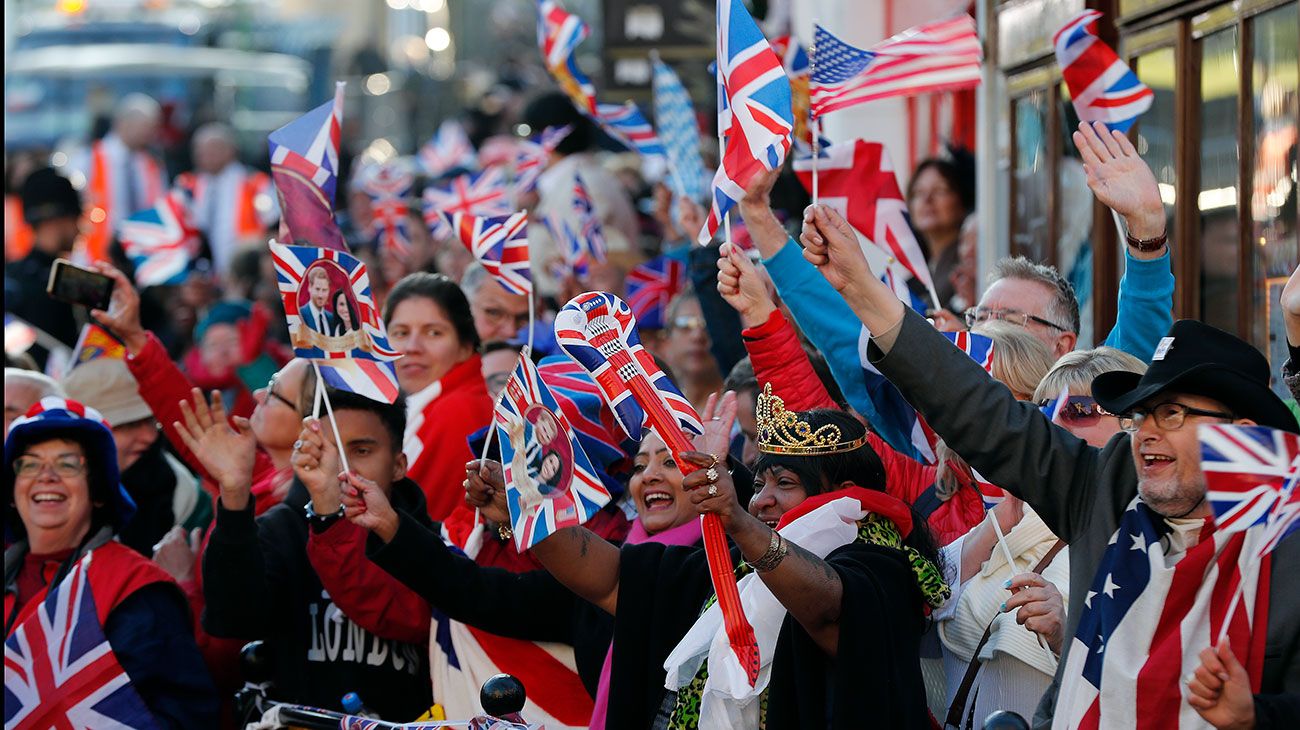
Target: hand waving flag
{"x": 500, "y": 244}
{"x": 757, "y": 99}
{"x": 550, "y": 482}
{"x": 305, "y": 167}
{"x": 1102, "y": 87}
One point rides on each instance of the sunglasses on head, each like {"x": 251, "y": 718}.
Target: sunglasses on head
{"x": 1081, "y": 410}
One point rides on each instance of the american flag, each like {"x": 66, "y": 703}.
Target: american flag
{"x": 532, "y": 156}
{"x": 160, "y": 241}
{"x": 388, "y": 189}
{"x": 363, "y": 363}
{"x": 598, "y": 331}
{"x": 1251, "y": 474}
{"x": 60, "y": 670}
{"x": 558, "y": 34}
{"x": 480, "y": 193}
{"x": 651, "y": 287}
{"x": 932, "y": 57}
{"x": 450, "y": 149}
{"x": 1146, "y": 618}
{"x": 680, "y": 133}
{"x": 500, "y": 244}
{"x": 798, "y": 68}
{"x": 759, "y": 120}
{"x": 305, "y": 167}
{"x": 1102, "y": 87}
{"x": 857, "y": 179}
{"x": 589, "y": 230}
{"x": 627, "y": 124}
{"x": 576, "y": 492}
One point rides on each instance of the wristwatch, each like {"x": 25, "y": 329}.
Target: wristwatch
{"x": 1146, "y": 245}
{"x": 318, "y": 521}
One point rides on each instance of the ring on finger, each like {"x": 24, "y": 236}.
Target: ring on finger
{"x": 713, "y": 490}
{"x": 297, "y": 444}
{"x": 711, "y": 476}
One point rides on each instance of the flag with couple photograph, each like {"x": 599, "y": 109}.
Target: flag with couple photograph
{"x": 550, "y": 482}
{"x": 333, "y": 319}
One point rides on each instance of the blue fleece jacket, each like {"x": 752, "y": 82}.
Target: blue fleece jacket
{"x": 1146, "y": 294}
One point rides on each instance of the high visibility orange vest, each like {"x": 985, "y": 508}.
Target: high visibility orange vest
{"x": 99, "y": 208}
{"x": 248, "y": 221}
{"x": 18, "y": 235}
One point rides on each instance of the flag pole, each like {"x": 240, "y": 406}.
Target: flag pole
{"x": 329, "y": 409}
{"x": 816, "y": 120}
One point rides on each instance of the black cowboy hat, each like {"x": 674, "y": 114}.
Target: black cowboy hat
{"x": 1198, "y": 359}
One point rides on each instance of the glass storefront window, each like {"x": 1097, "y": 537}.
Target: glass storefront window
{"x": 1074, "y": 252}
{"x": 1155, "y": 129}
{"x": 1030, "y": 227}
{"x": 1217, "y": 198}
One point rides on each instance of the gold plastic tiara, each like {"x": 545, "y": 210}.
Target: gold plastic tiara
{"x": 781, "y": 432}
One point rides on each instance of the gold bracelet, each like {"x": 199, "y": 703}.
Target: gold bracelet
{"x": 777, "y": 549}
{"x": 504, "y": 532}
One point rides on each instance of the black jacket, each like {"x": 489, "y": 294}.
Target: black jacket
{"x": 259, "y": 584}
{"x": 26, "y": 298}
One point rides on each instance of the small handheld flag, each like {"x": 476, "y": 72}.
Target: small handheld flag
{"x": 305, "y": 167}
{"x": 500, "y": 244}
{"x": 550, "y": 482}
{"x": 1102, "y": 87}
{"x": 450, "y": 149}
{"x": 589, "y": 229}
{"x": 160, "y": 242}
{"x": 95, "y": 343}
{"x": 651, "y": 287}
{"x": 388, "y": 189}
{"x": 480, "y": 193}
{"x": 1251, "y": 474}
{"x": 532, "y": 156}
{"x": 558, "y": 34}
{"x": 627, "y": 124}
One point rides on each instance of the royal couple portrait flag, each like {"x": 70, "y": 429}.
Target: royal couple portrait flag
{"x": 333, "y": 320}
{"x": 550, "y": 482}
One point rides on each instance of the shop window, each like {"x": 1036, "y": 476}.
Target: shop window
{"x": 1217, "y": 196}
{"x": 1155, "y": 130}
{"x": 1030, "y": 225}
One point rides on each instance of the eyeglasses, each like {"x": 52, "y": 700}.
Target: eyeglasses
{"x": 497, "y": 317}
{"x": 270, "y": 393}
{"x": 976, "y": 315}
{"x": 688, "y": 323}
{"x": 1081, "y": 410}
{"x": 1169, "y": 416}
{"x": 65, "y": 467}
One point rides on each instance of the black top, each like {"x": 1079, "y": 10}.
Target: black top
{"x": 876, "y": 673}
{"x": 26, "y": 298}
{"x": 259, "y": 584}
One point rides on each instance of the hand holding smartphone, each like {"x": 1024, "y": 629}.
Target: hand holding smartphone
{"x": 75, "y": 285}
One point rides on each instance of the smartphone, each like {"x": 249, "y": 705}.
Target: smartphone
{"x": 71, "y": 283}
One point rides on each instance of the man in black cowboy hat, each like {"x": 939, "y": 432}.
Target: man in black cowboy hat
{"x": 1198, "y": 375}
{"x": 52, "y": 207}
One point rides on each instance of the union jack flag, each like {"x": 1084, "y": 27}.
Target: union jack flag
{"x": 1102, "y": 87}
{"x": 798, "y": 68}
{"x": 160, "y": 241}
{"x": 558, "y": 486}
{"x": 558, "y": 35}
{"x": 532, "y": 156}
{"x": 571, "y": 246}
{"x": 627, "y": 124}
{"x": 758, "y": 113}
{"x": 932, "y": 57}
{"x": 857, "y": 179}
{"x": 651, "y": 287}
{"x": 1251, "y": 474}
{"x": 598, "y": 331}
{"x": 500, "y": 244}
{"x": 388, "y": 189}
{"x": 60, "y": 670}
{"x": 305, "y": 166}
{"x": 480, "y": 193}
{"x": 450, "y": 149}
{"x": 589, "y": 230}
{"x": 361, "y": 363}
{"x": 604, "y": 441}
{"x": 680, "y": 133}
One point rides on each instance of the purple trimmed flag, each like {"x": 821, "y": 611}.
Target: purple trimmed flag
{"x": 305, "y": 167}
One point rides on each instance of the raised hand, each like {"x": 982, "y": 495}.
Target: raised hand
{"x": 768, "y": 233}
{"x": 1120, "y": 179}
{"x": 315, "y": 462}
{"x": 741, "y": 285}
{"x": 832, "y": 246}
{"x": 1219, "y": 690}
{"x": 226, "y": 452}
{"x": 366, "y": 505}
{"x": 123, "y": 315}
{"x": 177, "y": 552}
{"x": 690, "y": 218}
{"x": 1039, "y": 607}
{"x": 485, "y": 489}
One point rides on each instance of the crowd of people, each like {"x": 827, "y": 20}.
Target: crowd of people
{"x": 186, "y": 487}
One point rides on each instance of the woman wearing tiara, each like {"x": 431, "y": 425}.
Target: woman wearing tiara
{"x": 821, "y": 542}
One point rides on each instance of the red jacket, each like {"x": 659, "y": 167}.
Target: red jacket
{"x": 437, "y": 446}
{"x": 779, "y": 359}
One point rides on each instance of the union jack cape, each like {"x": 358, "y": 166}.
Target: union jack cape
{"x": 500, "y": 244}
{"x": 60, "y": 670}
{"x": 160, "y": 241}
{"x": 481, "y": 193}
{"x": 1102, "y": 87}
{"x": 305, "y": 167}
{"x": 364, "y": 364}
{"x": 757, "y": 120}
{"x": 577, "y": 493}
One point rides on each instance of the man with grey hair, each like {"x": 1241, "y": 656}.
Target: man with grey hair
{"x": 121, "y": 175}
{"x": 498, "y": 314}
{"x": 232, "y": 203}
{"x": 24, "y": 389}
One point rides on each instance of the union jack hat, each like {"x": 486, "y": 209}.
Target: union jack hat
{"x": 55, "y": 417}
